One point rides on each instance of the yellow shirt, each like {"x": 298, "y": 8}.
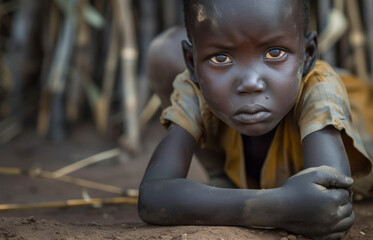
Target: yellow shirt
{"x": 322, "y": 101}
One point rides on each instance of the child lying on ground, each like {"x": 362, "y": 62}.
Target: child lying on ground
{"x": 255, "y": 101}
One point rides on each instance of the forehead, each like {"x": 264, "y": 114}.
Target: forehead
{"x": 247, "y": 13}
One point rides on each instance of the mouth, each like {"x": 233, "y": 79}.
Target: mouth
{"x": 250, "y": 114}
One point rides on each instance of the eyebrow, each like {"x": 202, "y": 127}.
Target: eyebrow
{"x": 273, "y": 39}
{"x": 220, "y": 45}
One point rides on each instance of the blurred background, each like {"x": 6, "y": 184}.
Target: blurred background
{"x": 74, "y": 92}
{"x": 64, "y": 62}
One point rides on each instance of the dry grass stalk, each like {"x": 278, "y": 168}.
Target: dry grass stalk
{"x": 68, "y": 179}
{"x": 87, "y": 162}
{"x": 68, "y": 203}
{"x": 150, "y": 109}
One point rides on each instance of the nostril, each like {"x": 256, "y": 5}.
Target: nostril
{"x": 245, "y": 87}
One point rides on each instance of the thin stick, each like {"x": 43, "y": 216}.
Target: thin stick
{"x": 67, "y": 203}
{"x": 111, "y": 64}
{"x": 57, "y": 77}
{"x": 150, "y": 109}
{"x": 336, "y": 27}
{"x": 129, "y": 56}
{"x": 86, "y": 162}
{"x": 68, "y": 179}
{"x": 74, "y": 87}
{"x": 368, "y": 7}
{"x": 358, "y": 40}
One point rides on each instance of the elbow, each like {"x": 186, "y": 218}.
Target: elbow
{"x": 145, "y": 213}
{"x": 148, "y": 210}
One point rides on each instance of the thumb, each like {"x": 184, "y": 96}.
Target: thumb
{"x": 332, "y": 178}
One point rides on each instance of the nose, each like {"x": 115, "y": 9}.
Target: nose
{"x": 250, "y": 82}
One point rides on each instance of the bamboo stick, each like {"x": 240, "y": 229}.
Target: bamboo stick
{"x": 56, "y": 80}
{"x": 336, "y": 27}
{"x": 368, "y": 8}
{"x": 24, "y": 36}
{"x": 69, "y": 179}
{"x": 324, "y": 9}
{"x": 68, "y": 203}
{"x": 6, "y": 86}
{"x": 9, "y": 129}
{"x": 87, "y": 162}
{"x": 150, "y": 109}
{"x": 74, "y": 86}
{"x": 111, "y": 64}
{"x": 147, "y": 30}
{"x": 50, "y": 35}
{"x": 129, "y": 56}
{"x": 357, "y": 40}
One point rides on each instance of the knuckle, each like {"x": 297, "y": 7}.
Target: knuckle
{"x": 319, "y": 174}
{"x": 336, "y": 197}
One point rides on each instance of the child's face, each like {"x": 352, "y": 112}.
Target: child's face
{"x": 248, "y": 58}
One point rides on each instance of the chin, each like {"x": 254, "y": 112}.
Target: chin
{"x": 255, "y": 131}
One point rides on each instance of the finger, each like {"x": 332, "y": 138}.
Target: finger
{"x": 332, "y": 178}
{"x": 339, "y": 195}
{"x": 345, "y": 224}
{"x": 345, "y": 210}
{"x": 332, "y": 236}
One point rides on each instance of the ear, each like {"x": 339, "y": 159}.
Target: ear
{"x": 311, "y": 52}
{"x": 188, "y": 58}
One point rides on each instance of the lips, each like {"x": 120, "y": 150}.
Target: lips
{"x": 250, "y": 114}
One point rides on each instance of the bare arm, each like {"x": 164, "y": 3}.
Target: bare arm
{"x": 325, "y": 147}
{"x": 167, "y": 198}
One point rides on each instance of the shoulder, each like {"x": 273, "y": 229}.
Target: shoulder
{"x": 323, "y": 75}
{"x": 322, "y": 101}
{"x": 187, "y": 106}
{"x": 184, "y": 83}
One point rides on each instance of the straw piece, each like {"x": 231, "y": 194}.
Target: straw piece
{"x": 68, "y": 179}
{"x": 150, "y": 109}
{"x": 67, "y": 203}
{"x": 87, "y": 161}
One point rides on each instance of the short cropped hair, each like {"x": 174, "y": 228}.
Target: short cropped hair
{"x": 187, "y": 9}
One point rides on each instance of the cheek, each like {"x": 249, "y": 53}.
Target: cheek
{"x": 287, "y": 91}
{"x": 215, "y": 88}
{"x": 217, "y": 98}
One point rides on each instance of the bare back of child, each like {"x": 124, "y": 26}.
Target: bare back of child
{"x": 245, "y": 65}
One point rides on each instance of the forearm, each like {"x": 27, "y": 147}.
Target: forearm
{"x": 167, "y": 198}
{"x": 184, "y": 202}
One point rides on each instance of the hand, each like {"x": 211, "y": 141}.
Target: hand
{"x": 317, "y": 203}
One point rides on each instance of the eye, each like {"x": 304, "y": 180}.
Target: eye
{"x": 275, "y": 54}
{"x": 221, "y": 59}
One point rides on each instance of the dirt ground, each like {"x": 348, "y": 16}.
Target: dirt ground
{"x": 30, "y": 151}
